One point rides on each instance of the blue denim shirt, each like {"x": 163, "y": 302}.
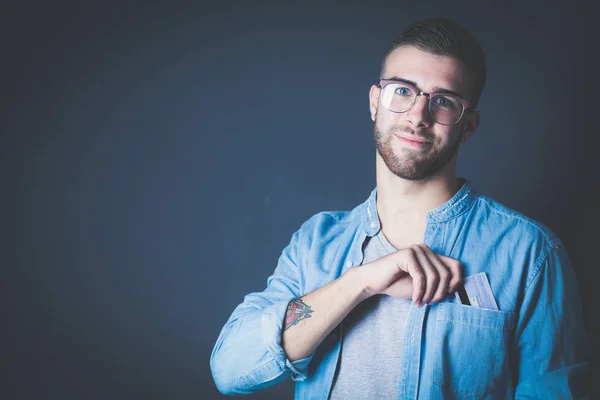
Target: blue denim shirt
{"x": 535, "y": 346}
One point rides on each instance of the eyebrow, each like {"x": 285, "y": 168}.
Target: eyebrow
{"x": 435, "y": 89}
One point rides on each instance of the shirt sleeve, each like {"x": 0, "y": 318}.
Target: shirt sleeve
{"x": 248, "y": 355}
{"x": 552, "y": 344}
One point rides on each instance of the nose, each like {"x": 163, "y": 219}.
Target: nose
{"x": 419, "y": 115}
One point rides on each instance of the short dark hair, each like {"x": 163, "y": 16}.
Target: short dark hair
{"x": 444, "y": 37}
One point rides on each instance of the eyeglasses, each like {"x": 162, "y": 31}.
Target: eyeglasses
{"x": 445, "y": 109}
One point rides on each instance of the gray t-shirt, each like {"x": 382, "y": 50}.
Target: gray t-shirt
{"x": 373, "y": 336}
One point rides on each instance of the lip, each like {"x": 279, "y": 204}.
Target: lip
{"x": 415, "y": 143}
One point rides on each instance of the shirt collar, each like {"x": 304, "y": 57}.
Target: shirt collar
{"x": 459, "y": 203}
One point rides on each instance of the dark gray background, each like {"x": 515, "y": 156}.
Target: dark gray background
{"x": 156, "y": 157}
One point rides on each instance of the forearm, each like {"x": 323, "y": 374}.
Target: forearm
{"x": 312, "y": 317}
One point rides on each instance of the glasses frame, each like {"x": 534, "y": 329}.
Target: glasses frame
{"x": 466, "y": 106}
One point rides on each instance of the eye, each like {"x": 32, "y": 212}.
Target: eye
{"x": 442, "y": 101}
{"x": 445, "y": 102}
{"x": 403, "y": 91}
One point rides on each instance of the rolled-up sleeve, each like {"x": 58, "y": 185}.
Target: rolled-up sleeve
{"x": 552, "y": 344}
{"x": 248, "y": 355}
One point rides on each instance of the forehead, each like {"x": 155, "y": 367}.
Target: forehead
{"x": 429, "y": 71}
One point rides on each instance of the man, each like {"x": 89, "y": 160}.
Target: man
{"x": 362, "y": 304}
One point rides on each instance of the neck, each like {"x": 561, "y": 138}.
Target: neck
{"x": 403, "y": 205}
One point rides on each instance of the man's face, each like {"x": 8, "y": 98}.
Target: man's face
{"x": 396, "y": 133}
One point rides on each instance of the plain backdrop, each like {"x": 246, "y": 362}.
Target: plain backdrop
{"x": 156, "y": 157}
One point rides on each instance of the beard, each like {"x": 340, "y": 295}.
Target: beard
{"x": 413, "y": 165}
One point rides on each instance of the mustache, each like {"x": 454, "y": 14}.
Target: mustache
{"x": 405, "y": 129}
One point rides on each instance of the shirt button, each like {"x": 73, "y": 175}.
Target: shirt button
{"x": 348, "y": 264}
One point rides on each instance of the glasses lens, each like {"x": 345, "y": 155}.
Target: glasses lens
{"x": 398, "y": 97}
{"x": 445, "y": 109}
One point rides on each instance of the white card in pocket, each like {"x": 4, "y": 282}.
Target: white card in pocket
{"x": 476, "y": 291}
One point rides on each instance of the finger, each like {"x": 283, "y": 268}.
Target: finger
{"x": 424, "y": 254}
{"x": 456, "y": 271}
{"x": 411, "y": 265}
{"x": 445, "y": 277}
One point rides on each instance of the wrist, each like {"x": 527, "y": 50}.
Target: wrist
{"x": 356, "y": 277}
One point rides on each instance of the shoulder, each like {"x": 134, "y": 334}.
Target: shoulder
{"x": 524, "y": 238}
{"x": 500, "y": 216}
{"x": 330, "y": 225}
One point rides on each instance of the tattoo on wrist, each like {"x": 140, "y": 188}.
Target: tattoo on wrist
{"x": 297, "y": 310}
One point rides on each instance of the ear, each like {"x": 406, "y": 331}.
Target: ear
{"x": 374, "y": 101}
{"x": 471, "y": 124}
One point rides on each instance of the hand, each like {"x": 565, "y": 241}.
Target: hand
{"x": 413, "y": 272}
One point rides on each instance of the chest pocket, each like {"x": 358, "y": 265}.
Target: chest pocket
{"x": 471, "y": 350}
